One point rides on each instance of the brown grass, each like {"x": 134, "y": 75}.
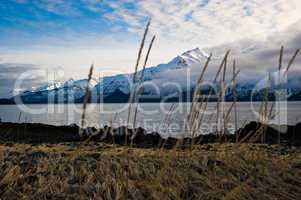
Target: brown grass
{"x": 234, "y": 94}
{"x": 140, "y": 87}
{"x": 86, "y": 96}
{"x": 133, "y": 89}
{"x": 217, "y": 171}
{"x": 195, "y": 105}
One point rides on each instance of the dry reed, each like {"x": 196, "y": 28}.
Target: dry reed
{"x": 86, "y": 96}
{"x": 132, "y": 93}
{"x": 234, "y": 91}
{"x": 195, "y": 99}
{"x": 263, "y": 111}
{"x": 140, "y": 87}
{"x": 210, "y": 92}
{"x": 279, "y": 87}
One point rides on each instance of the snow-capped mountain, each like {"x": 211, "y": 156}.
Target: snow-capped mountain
{"x": 73, "y": 90}
{"x": 60, "y": 92}
{"x": 156, "y": 74}
{"x": 163, "y": 80}
{"x": 50, "y": 86}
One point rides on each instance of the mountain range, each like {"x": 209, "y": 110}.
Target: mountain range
{"x": 172, "y": 81}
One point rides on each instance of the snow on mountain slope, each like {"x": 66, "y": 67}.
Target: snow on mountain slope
{"x": 57, "y": 91}
{"x": 161, "y": 72}
{"x": 109, "y": 84}
{"x": 194, "y": 56}
{"x": 168, "y": 79}
{"x": 74, "y": 89}
{"x": 50, "y": 86}
{"x": 80, "y": 83}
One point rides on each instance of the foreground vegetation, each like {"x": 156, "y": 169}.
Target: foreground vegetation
{"x": 104, "y": 171}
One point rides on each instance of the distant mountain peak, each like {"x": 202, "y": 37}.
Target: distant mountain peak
{"x": 51, "y": 85}
{"x": 194, "y": 55}
{"x": 191, "y": 51}
{"x": 69, "y": 82}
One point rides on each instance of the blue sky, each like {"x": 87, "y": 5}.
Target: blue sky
{"x": 71, "y": 34}
{"x": 27, "y": 22}
{"x": 45, "y": 28}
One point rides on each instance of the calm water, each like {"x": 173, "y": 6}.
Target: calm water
{"x": 151, "y": 116}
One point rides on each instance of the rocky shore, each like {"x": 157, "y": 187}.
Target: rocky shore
{"x": 254, "y": 132}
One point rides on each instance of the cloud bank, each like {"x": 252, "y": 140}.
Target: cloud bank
{"x": 208, "y": 22}
{"x": 10, "y": 72}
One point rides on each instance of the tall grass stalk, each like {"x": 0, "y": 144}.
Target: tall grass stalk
{"x": 221, "y": 116}
{"x": 140, "y": 87}
{"x": 263, "y": 111}
{"x": 206, "y": 103}
{"x": 20, "y": 115}
{"x": 166, "y": 122}
{"x": 211, "y": 90}
{"x": 132, "y": 93}
{"x": 265, "y": 114}
{"x": 131, "y": 99}
{"x": 221, "y": 95}
{"x": 215, "y": 78}
{"x": 291, "y": 61}
{"x": 227, "y": 114}
{"x": 279, "y": 87}
{"x": 195, "y": 100}
{"x": 83, "y": 117}
{"x": 86, "y": 96}
{"x": 234, "y": 91}
{"x": 233, "y": 104}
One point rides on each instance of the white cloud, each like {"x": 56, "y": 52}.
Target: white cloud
{"x": 209, "y": 22}
{"x": 59, "y": 7}
{"x": 179, "y": 24}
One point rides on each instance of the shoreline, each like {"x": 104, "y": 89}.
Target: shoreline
{"x": 5, "y": 102}
{"x": 35, "y": 133}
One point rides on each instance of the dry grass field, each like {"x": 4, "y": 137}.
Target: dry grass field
{"x": 104, "y": 171}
